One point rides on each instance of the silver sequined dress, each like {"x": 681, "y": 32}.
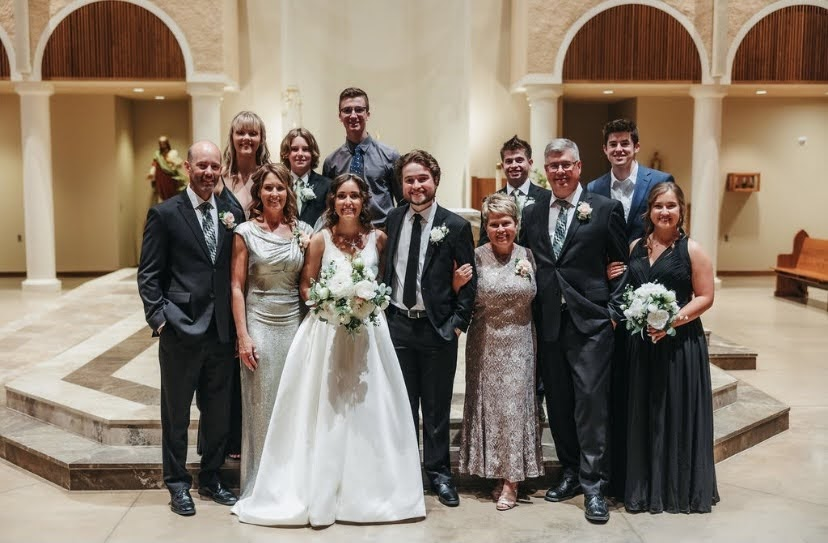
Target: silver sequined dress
{"x": 273, "y": 316}
{"x": 501, "y": 431}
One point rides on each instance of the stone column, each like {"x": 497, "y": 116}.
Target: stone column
{"x": 543, "y": 115}
{"x": 707, "y": 180}
{"x": 205, "y": 111}
{"x": 38, "y": 201}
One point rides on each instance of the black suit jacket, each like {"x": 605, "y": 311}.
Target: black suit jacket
{"x": 645, "y": 180}
{"x": 580, "y": 272}
{"x": 177, "y": 281}
{"x": 446, "y": 310}
{"x": 534, "y": 192}
{"x": 313, "y": 209}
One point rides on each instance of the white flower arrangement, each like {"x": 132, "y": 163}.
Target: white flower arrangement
{"x": 651, "y": 304}
{"x": 584, "y": 211}
{"x": 301, "y": 238}
{"x": 347, "y": 294}
{"x": 523, "y": 268}
{"x": 306, "y": 194}
{"x": 227, "y": 219}
{"x": 438, "y": 234}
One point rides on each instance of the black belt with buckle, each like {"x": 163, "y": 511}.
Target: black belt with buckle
{"x": 410, "y": 313}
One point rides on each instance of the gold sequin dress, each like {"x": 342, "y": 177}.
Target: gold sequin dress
{"x": 273, "y": 316}
{"x": 501, "y": 434}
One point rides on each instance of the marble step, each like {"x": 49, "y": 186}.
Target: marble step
{"x": 116, "y": 422}
{"x": 78, "y": 463}
{"x": 729, "y": 355}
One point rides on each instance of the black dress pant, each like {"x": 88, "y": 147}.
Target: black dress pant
{"x": 428, "y": 364}
{"x": 190, "y": 364}
{"x": 576, "y": 377}
{"x": 619, "y": 382}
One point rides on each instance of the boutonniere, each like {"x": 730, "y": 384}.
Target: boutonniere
{"x": 227, "y": 219}
{"x": 523, "y": 268}
{"x": 584, "y": 211}
{"x": 306, "y": 194}
{"x": 438, "y": 234}
{"x": 301, "y": 238}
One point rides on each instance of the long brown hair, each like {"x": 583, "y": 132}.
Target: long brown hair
{"x": 663, "y": 188}
{"x": 331, "y": 218}
{"x": 283, "y": 175}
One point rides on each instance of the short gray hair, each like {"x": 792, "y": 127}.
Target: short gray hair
{"x": 561, "y": 145}
{"x": 499, "y": 203}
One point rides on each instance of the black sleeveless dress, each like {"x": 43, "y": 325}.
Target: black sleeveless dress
{"x": 670, "y": 463}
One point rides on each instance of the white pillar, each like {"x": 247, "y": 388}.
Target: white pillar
{"x": 205, "y": 111}
{"x": 707, "y": 182}
{"x": 38, "y": 202}
{"x": 543, "y": 115}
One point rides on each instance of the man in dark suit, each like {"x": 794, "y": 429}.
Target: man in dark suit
{"x": 628, "y": 182}
{"x": 300, "y": 153}
{"x": 516, "y": 156}
{"x": 184, "y": 283}
{"x": 425, "y": 242}
{"x": 573, "y": 234}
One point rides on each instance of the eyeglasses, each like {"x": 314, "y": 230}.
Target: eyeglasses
{"x": 565, "y": 166}
{"x": 359, "y": 110}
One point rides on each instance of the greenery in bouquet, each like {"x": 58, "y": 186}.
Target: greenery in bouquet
{"x": 537, "y": 177}
{"x": 348, "y": 294}
{"x": 651, "y": 304}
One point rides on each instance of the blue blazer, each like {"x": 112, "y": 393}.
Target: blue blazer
{"x": 647, "y": 178}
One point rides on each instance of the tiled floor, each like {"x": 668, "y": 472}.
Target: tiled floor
{"x": 776, "y": 491}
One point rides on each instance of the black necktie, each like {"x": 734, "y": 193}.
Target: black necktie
{"x": 410, "y": 286}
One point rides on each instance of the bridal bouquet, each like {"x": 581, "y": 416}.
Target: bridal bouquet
{"x": 348, "y": 294}
{"x": 651, "y": 304}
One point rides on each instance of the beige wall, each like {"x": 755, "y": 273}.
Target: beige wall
{"x": 85, "y": 183}
{"x": 666, "y": 125}
{"x": 582, "y": 122}
{"x": 12, "y": 251}
{"x": 495, "y": 113}
{"x": 124, "y": 163}
{"x": 760, "y": 135}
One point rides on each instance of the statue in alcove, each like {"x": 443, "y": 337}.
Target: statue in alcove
{"x": 166, "y": 174}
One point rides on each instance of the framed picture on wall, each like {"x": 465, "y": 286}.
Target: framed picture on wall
{"x": 743, "y": 182}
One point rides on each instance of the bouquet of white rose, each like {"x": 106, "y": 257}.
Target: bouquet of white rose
{"x": 651, "y": 304}
{"x": 348, "y": 294}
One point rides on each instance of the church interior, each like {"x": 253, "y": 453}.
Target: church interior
{"x": 730, "y": 97}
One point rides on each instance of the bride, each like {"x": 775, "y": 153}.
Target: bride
{"x": 341, "y": 445}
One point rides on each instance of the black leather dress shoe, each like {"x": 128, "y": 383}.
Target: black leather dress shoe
{"x": 595, "y": 508}
{"x": 181, "y": 503}
{"x": 566, "y": 489}
{"x": 218, "y": 493}
{"x": 446, "y": 494}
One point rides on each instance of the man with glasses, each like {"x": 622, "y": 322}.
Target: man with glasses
{"x": 364, "y": 156}
{"x": 572, "y": 234}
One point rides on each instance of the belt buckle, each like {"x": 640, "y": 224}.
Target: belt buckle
{"x": 414, "y": 314}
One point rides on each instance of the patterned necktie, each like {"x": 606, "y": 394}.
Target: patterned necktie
{"x": 560, "y": 227}
{"x": 410, "y": 285}
{"x": 357, "y": 163}
{"x": 298, "y": 187}
{"x": 209, "y": 228}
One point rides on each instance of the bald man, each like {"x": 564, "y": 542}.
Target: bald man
{"x": 184, "y": 283}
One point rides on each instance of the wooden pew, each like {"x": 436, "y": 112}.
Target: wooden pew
{"x": 806, "y": 266}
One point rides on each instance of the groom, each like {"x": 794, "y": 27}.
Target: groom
{"x": 425, "y": 242}
{"x": 184, "y": 282}
{"x": 573, "y": 234}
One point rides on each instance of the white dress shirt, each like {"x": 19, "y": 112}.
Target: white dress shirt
{"x": 555, "y": 209}
{"x": 522, "y": 190}
{"x": 623, "y": 189}
{"x": 401, "y": 258}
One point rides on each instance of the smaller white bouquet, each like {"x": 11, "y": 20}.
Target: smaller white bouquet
{"x": 651, "y": 304}
{"x": 347, "y": 293}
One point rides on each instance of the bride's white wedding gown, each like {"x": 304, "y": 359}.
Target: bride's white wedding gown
{"x": 341, "y": 443}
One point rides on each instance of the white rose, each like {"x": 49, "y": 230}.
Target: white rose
{"x": 324, "y": 293}
{"x": 658, "y": 319}
{"x": 357, "y": 264}
{"x": 669, "y": 296}
{"x": 365, "y": 289}
{"x": 363, "y": 310}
